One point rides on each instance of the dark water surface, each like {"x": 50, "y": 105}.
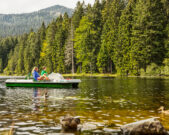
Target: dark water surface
{"x": 103, "y": 105}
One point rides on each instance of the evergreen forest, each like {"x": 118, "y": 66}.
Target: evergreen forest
{"x": 126, "y": 37}
{"x": 17, "y": 24}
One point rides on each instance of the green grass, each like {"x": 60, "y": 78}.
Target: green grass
{"x": 100, "y": 75}
{"x": 91, "y": 75}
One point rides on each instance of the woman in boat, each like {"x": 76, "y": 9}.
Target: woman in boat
{"x": 44, "y": 73}
{"x": 36, "y": 75}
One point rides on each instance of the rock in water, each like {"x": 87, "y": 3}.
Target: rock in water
{"x": 144, "y": 127}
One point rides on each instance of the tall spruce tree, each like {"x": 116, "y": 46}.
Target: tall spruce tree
{"x": 166, "y": 41}
{"x": 109, "y": 33}
{"x": 147, "y": 34}
{"x": 20, "y": 62}
{"x": 123, "y": 42}
{"x": 94, "y": 14}
{"x": 78, "y": 14}
{"x": 84, "y": 43}
{"x": 50, "y": 37}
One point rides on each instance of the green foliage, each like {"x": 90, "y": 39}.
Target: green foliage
{"x": 147, "y": 43}
{"x": 78, "y": 14}
{"x": 111, "y": 14}
{"x": 127, "y": 37}
{"x": 123, "y": 42}
{"x": 102, "y": 60}
{"x": 84, "y": 44}
{"x": 152, "y": 70}
{"x": 1, "y": 68}
{"x": 165, "y": 68}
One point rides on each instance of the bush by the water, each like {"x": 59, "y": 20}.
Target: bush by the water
{"x": 155, "y": 70}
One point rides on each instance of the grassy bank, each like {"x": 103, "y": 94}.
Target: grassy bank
{"x": 101, "y": 75}
{"x": 114, "y": 75}
{"x": 74, "y": 75}
{"x": 92, "y": 75}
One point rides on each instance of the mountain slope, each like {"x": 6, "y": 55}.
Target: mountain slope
{"x": 15, "y": 24}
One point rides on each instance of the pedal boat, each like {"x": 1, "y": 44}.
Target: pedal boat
{"x": 72, "y": 83}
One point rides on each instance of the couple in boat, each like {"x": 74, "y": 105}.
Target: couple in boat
{"x": 36, "y": 75}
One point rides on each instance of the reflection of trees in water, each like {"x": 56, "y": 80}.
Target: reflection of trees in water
{"x": 2, "y": 90}
{"x": 40, "y": 98}
{"x": 159, "y": 92}
{"x": 2, "y": 94}
{"x": 149, "y": 92}
{"x": 143, "y": 93}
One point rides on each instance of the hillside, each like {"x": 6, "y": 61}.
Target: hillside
{"x": 15, "y": 24}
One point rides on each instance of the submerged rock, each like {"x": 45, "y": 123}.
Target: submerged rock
{"x": 70, "y": 123}
{"x": 88, "y": 127}
{"x": 144, "y": 127}
{"x": 97, "y": 131}
{"x": 109, "y": 130}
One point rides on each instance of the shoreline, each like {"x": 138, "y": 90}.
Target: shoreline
{"x": 3, "y": 76}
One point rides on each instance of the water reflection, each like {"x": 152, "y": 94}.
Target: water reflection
{"x": 38, "y": 95}
{"x": 101, "y": 103}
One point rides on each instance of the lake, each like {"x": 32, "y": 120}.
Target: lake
{"x": 103, "y": 105}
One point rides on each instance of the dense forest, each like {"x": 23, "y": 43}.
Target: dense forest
{"x": 112, "y": 36}
{"x": 17, "y": 24}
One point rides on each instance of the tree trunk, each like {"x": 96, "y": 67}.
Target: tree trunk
{"x": 111, "y": 66}
{"x": 72, "y": 33}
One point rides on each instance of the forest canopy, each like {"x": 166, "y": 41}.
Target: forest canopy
{"x": 112, "y": 36}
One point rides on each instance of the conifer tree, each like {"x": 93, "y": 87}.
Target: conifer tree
{"x": 110, "y": 30}
{"x": 102, "y": 60}
{"x": 50, "y": 37}
{"x": 123, "y": 42}
{"x": 42, "y": 32}
{"x": 20, "y": 62}
{"x": 94, "y": 15}
{"x": 78, "y": 14}
{"x": 166, "y": 41}
{"x": 147, "y": 34}
{"x": 84, "y": 43}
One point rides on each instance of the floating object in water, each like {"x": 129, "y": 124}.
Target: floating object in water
{"x": 73, "y": 83}
{"x": 70, "y": 123}
{"x": 163, "y": 111}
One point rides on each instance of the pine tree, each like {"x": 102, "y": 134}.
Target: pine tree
{"x": 42, "y": 32}
{"x": 110, "y": 29}
{"x": 123, "y": 42}
{"x": 148, "y": 32}
{"x": 84, "y": 43}
{"x": 166, "y": 41}
{"x": 7, "y": 45}
{"x": 102, "y": 60}
{"x": 78, "y": 14}
{"x": 20, "y": 62}
{"x": 50, "y": 37}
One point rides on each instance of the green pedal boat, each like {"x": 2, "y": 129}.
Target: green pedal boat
{"x": 71, "y": 83}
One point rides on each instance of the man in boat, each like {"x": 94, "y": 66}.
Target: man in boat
{"x": 44, "y": 73}
{"x": 36, "y": 75}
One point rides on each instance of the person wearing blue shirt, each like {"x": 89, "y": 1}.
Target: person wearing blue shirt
{"x": 36, "y": 75}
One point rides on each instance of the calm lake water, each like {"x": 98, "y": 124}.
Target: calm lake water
{"x": 103, "y": 105}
